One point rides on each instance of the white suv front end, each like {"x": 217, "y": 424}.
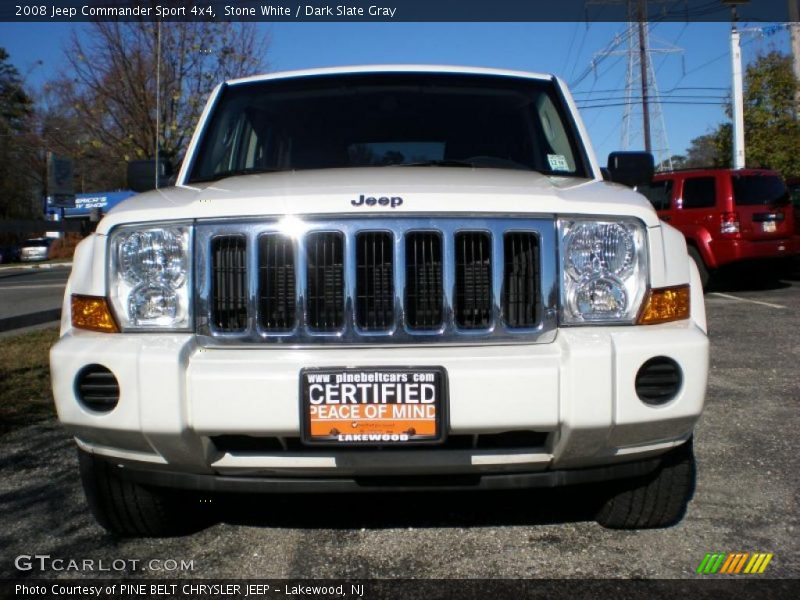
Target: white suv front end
{"x": 363, "y": 328}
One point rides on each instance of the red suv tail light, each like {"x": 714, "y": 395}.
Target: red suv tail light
{"x": 730, "y": 223}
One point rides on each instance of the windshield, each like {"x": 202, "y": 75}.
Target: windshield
{"x": 388, "y": 120}
{"x": 753, "y": 190}
{"x": 35, "y": 244}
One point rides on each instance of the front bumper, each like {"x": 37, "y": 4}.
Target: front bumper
{"x": 206, "y": 483}
{"x": 176, "y": 397}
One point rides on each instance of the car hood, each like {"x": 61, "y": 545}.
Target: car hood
{"x": 424, "y": 190}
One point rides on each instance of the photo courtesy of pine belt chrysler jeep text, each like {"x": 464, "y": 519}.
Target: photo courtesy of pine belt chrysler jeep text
{"x": 384, "y": 279}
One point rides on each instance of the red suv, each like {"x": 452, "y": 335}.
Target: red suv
{"x": 727, "y": 215}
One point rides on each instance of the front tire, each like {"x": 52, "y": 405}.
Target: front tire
{"x": 128, "y": 509}
{"x": 658, "y": 499}
{"x": 702, "y": 269}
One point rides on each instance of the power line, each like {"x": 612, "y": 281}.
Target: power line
{"x": 569, "y": 51}
{"x": 681, "y": 102}
{"x": 669, "y": 91}
{"x": 657, "y": 98}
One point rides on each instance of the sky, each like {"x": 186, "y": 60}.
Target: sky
{"x": 691, "y": 62}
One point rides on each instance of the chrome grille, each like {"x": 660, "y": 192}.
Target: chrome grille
{"x": 276, "y": 282}
{"x": 520, "y": 302}
{"x": 407, "y": 280}
{"x": 424, "y": 295}
{"x": 375, "y": 280}
{"x": 474, "y": 279}
{"x": 229, "y": 280}
{"x": 325, "y": 263}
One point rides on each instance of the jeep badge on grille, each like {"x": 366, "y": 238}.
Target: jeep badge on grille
{"x": 393, "y": 201}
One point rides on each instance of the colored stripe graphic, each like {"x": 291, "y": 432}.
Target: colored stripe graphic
{"x": 711, "y": 563}
{"x": 734, "y": 562}
{"x": 758, "y": 563}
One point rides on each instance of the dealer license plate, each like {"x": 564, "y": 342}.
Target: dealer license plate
{"x": 373, "y": 406}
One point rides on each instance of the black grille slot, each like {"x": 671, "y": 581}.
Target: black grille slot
{"x": 244, "y": 444}
{"x": 473, "y": 301}
{"x": 325, "y": 303}
{"x": 659, "y": 380}
{"x": 97, "y": 388}
{"x": 423, "y": 301}
{"x": 521, "y": 279}
{"x": 229, "y": 283}
{"x": 277, "y": 308}
{"x": 374, "y": 280}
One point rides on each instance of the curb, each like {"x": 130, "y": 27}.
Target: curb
{"x": 37, "y": 318}
{"x": 19, "y": 266}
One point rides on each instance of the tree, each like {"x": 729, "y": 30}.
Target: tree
{"x": 708, "y": 150}
{"x": 676, "y": 161}
{"x": 17, "y": 149}
{"x": 772, "y": 130}
{"x": 771, "y": 127}
{"x": 109, "y": 94}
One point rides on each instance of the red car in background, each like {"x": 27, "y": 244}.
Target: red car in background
{"x": 727, "y": 215}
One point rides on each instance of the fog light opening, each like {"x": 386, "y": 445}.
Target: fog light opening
{"x": 97, "y": 388}
{"x": 659, "y": 381}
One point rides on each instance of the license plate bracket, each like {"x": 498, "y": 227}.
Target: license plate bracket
{"x": 373, "y": 406}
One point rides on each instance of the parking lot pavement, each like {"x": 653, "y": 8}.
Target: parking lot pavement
{"x": 746, "y": 498}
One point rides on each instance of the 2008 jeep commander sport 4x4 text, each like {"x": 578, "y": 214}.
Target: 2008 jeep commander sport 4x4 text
{"x": 384, "y": 279}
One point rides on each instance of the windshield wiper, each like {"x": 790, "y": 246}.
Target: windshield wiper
{"x": 437, "y": 163}
{"x": 234, "y": 172}
{"x": 478, "y": 162}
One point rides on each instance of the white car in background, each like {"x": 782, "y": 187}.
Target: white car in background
{"x": 35, "y": 249}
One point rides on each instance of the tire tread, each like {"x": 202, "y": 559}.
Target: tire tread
{"x": 128, "y": 509}
{"x": 658, "y": 499}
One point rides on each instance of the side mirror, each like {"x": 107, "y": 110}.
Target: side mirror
{"x": 142, "y": 174}
{"x": 631, "y": 168}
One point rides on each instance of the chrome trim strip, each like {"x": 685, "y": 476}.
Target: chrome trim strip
{"x": 350, "y": 334}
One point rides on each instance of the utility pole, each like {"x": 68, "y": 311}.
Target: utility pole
{"x": 794, "y": 32}
{"x": 738, "y": 93}
{"x": 158, "y": 103}
{"x": 643, "y": 58}
{"x": 641, "y": 86}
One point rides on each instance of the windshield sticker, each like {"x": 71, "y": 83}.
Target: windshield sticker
{"x": 558, "y": 162}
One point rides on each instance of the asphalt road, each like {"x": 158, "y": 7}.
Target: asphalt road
{"x": 746, "y": 497}
{"x": 24, "y": 291}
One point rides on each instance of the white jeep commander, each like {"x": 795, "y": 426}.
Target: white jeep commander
{"x": 384, "y": 279}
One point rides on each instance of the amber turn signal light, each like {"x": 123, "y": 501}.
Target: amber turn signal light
{"x": 663, "y": 305}
{"x": 92, "y": 313}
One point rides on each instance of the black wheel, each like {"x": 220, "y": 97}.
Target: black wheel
{"x": 656, "y": 500}
{"x": 705, "y": 274}
{"x": 128, "y": 509}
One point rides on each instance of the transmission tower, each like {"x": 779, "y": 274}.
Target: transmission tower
{"x": 642, "y": 116}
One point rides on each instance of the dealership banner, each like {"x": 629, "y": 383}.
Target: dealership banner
{"x": 407, "y": 589}
{"x": 391, "y": 10}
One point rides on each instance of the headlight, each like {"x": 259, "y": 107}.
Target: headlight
{"x": 150, "y": 277}
{"x": 603, "y": 270}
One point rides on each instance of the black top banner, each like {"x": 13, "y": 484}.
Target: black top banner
{"x": 395, "y": 10}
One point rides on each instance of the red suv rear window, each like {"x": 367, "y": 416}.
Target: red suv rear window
{"x": 756, "y": 190}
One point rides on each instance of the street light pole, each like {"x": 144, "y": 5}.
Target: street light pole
{"x": 794, "y": 32}
{"x": 158, "y": 97}
{"x": 738, "y": 92}
{"x": 738, "y": 100}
